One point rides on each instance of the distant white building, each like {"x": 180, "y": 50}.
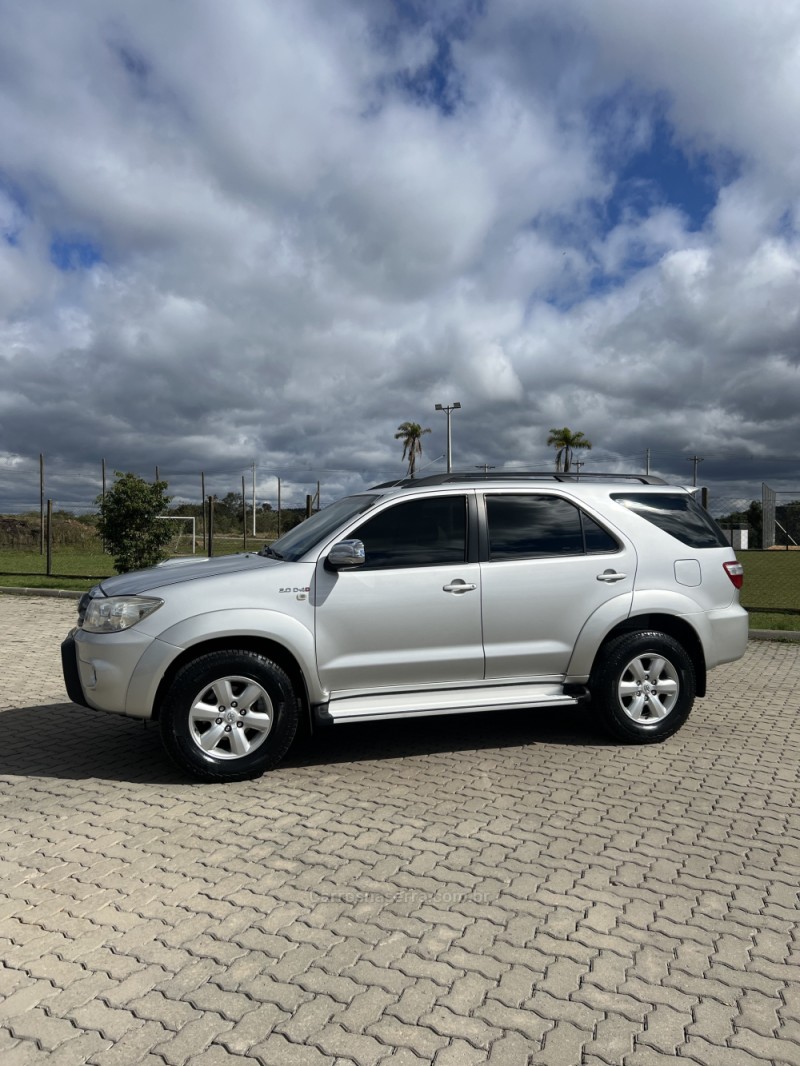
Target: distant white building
{"x": 737, "y": 535}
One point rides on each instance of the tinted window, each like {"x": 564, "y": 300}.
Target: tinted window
{"x": 680, "y": 515}
{"x": 527, "y": 526}
{"x": 596, "y": 539}
{"x": 416, "y": 533}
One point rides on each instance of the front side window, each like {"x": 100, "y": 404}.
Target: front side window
{"x": 427, "y": 532}
{"x": 678, "y": 514}
{"x": 524, "y": 527}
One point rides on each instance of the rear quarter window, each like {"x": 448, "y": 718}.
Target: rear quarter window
{"x": 678, "y": 514}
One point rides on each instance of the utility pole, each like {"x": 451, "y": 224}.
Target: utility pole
{"x": 647, "y": 462}
{"x": 103, "y": 497}
{"x": 41, "y": 503}
{"x": 203, "y": 505}
{"x": 244, "y": 518}
{"x": 694, "y": 459}
{"x": 485, "y": 467}
{"x": 578, "y": 464}
{"x": 254, "y": 499}
{"x": 449, "y": 407}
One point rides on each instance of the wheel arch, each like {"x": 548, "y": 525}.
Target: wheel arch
{"x": 270, "y": 649}
{"x": 677, "y": 628}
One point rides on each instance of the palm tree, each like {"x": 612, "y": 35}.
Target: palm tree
{"x": 566, "y": 441}
{"x": 411, "y": 435}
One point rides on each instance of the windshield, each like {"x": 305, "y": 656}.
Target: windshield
{"x": 294, "y": 544}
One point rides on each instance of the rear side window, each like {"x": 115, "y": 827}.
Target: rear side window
{"x": 523, "y": 527}
{"x": 678, "y": 514}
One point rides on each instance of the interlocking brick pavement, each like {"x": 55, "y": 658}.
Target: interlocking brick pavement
{"x": 504, "y": 889}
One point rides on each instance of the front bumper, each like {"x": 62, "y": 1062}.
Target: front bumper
{"x": 69, "y": 667}
{"x": 98, "y": 668}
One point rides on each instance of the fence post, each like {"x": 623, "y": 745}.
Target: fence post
{"x": 49, "y": 538}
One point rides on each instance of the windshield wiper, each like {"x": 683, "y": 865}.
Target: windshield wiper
{"x": 270, "y": 552}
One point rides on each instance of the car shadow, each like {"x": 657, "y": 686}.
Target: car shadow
{"x": 63, "y": 740}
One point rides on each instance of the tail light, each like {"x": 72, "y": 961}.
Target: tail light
{"x": 735, "y": 572}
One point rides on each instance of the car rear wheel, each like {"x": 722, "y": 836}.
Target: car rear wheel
{"x": 229, "y": 716}
{"x": 644, "y": 686}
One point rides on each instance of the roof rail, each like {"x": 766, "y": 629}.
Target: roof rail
{"x": 518, "y": 475}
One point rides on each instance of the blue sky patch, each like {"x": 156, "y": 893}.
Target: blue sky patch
{"x": 435, "y": 84}
{"x": 438, "y": 83}
{"x": 74, "y": 253}
{"x": 662, "y": 174}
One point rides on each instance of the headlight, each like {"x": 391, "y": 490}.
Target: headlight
{"x": 114, "y": 613}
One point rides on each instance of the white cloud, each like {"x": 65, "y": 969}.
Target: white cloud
{"x": 315, "y": 224}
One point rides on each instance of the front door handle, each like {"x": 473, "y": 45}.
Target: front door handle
{"x": 457, "y": 585}
{"x": 610, "y": 576}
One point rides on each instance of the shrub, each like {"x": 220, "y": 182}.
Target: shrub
{"x": 129, "y": 522}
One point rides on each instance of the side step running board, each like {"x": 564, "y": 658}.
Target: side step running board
{"x": 446, "y": 701}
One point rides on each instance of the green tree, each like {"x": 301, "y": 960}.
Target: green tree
{"x": 410, "y": 433}
{"x": 129, "y": 522}
{"x": 566, "y": 442}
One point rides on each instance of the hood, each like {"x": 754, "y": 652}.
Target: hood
{"x": 177, "y": 570}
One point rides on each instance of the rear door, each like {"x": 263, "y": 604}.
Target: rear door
{"x": 549, "y": 566}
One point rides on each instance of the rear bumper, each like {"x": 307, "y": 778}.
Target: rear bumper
{"x": 729, "y": 629}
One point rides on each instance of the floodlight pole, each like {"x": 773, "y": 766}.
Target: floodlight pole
{"x": 694, "y": 459}
{"x": 449, "y": 407}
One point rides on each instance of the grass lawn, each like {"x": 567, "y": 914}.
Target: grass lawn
{"x": 763, "y": 620}
{"x": 771, "y": 579}
{"x": 76, "y": 569}
{"x": 67, "y": 562}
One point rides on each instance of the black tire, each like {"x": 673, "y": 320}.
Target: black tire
{"x": 229, "y": 716}
{"x": 644, "y": 686}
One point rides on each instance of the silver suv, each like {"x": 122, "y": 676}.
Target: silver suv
{"x": 440, "y": 595}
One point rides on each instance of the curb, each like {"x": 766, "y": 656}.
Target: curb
{"x": 59, "y": 594}
{"x": 774, "y": 634}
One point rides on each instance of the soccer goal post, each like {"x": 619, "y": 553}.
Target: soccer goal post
{"x": 181, "y": 535}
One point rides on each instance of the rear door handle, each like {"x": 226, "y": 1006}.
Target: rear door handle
{"x": 611, "y": 576}
{"x": 457, "y": 585}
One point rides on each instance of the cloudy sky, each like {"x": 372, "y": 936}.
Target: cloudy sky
{"x": 273, "y": 230}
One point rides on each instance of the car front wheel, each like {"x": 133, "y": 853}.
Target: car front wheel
{"x": 644, "y": 686}
{"x": 229, "y": 716}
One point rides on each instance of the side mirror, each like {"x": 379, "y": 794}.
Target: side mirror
{"x": 345, "y": 555}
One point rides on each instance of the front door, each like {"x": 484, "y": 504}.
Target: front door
{"x": 410, "y": 617}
